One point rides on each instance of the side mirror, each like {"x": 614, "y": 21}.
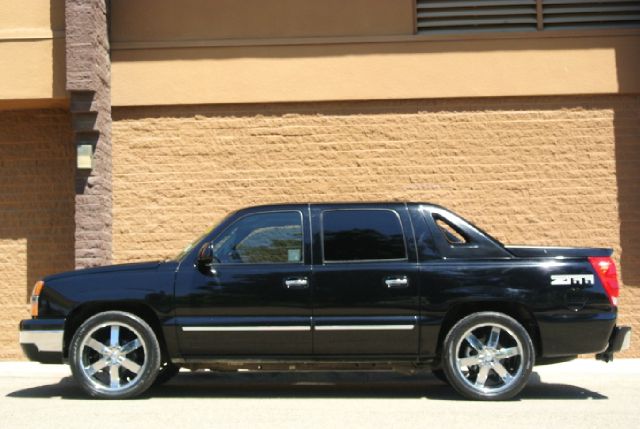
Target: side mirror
{"x": 206, "y": 259}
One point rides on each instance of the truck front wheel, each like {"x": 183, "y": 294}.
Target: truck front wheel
{"x": 114, "y": 355}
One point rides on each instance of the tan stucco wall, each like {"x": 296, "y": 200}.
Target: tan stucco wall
{"x": 416, "y": 68}
{"x": 32, "y": 49}
{"x": 232, "y": 19}
{"x": 36, "y": 210}
{"x": 32, "y": 69}
{"x": 25, "y": 15}
{"x": 549, "y": 170}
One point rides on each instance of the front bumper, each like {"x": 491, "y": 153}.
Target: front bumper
{"x": 42, "y": 340}
{"x": 620, "y": 340}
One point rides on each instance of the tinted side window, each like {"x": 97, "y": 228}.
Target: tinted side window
{"x": 451, "y": 233}
{"x": 261, "y": 238}
{"x": 361, "y": 235}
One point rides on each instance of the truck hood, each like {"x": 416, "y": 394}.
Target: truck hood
{"x": 138, "y": 266}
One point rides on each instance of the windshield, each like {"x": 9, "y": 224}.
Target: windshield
{"x": 187, "y": 249}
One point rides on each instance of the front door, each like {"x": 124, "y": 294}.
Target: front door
{"x": 256, "y": 298}
{"x": 365, "y": 281}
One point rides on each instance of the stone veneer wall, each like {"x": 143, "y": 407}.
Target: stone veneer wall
{"x": 88, "y": 82}
{"x": 548, "y": 170}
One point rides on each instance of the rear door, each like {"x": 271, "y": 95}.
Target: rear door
{"x": 365, "y": 288}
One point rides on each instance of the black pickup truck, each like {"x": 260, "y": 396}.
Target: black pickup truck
{"x": 384, "y": 286}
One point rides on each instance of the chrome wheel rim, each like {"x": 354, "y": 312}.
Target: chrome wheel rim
{"x": 489, "y": 358}
{"x": 113, "y": 356}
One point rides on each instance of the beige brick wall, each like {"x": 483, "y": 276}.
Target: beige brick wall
{"x": 36, "y": 210}
{"x": 529, "y": 170}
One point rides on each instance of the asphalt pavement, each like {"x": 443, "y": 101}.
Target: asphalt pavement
{"x": 581, "y": 394}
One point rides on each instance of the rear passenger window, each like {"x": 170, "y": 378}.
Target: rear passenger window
{"x": 362, "y": 235}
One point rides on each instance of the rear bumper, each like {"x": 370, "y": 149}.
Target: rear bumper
{"x": 575, "y": 334}
{"x": 42, "y": 340}
{"x": 620, "y": 340}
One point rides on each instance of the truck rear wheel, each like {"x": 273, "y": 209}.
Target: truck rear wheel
{"x": 114, "y": 355}
{"x": 488, "y": 356}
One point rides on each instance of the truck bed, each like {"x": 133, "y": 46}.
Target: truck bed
{"x": 555, "y": 252}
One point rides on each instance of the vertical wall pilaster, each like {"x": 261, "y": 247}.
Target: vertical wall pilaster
{"x": 88, "y": 73}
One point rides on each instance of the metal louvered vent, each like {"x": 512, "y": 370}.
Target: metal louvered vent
{"x": 462, "y": 16}
{"x": 468, "y": 16}
{"x": 578, "y": 14}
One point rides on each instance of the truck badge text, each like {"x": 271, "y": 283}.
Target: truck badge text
{"x": 571, "y": 279}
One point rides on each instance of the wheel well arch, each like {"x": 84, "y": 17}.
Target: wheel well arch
{"x": 513, "y": 309}
{"x": 84, "y": 311}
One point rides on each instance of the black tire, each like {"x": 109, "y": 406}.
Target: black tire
{"x": 440, "y": 375}
{"x": 114, "y": 355}
{"x": 488, "y": 356}
{"x": 167, "y": 371}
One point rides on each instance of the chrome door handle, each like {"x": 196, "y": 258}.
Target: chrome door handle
{"x": 397, "y": 282}
{"x": 299, "y": 283}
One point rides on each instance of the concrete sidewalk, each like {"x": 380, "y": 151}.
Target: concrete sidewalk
{"x": 580, "y": 394}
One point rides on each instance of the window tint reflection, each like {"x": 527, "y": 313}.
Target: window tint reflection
{"x": 262, "y": 238}
{"x": 361, "y": 235}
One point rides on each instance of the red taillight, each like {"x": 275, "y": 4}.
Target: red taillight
{"x": 605, "y": 268}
